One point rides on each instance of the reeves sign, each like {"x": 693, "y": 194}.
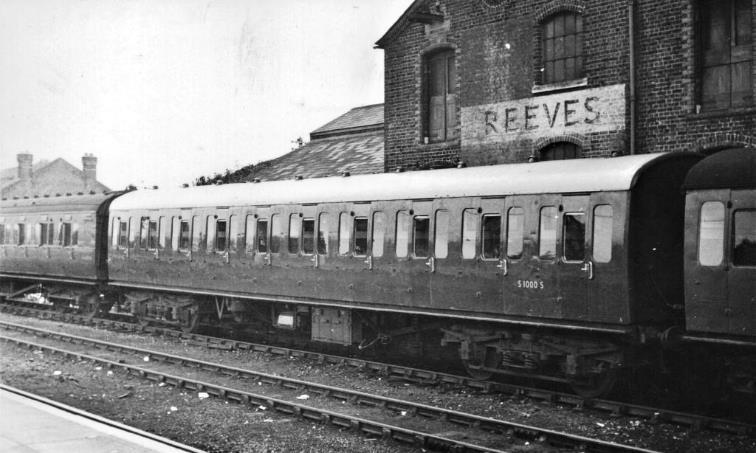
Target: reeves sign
{"x": 584, "y": 112}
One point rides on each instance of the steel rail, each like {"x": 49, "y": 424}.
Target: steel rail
{"x": 369, "y": 427}
{"x": 655, "y": 414}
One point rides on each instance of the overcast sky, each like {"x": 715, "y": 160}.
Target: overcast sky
{"x": 163, "y": 91}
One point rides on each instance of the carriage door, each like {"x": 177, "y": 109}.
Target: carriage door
{"x": 706, "y": 268}
{"x": 741, "y": 277}
{"x": 575, "y": 269}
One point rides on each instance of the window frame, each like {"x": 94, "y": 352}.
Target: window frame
{"x": 414, "y": 231}
{"x": 541, "y": 255}
{"x": 497, "y": 245}
{"x": 544, "y": 76}
{"x": 449, "y": 131}
{"x": 734, "y": 254}
{"x": 699, "y": 224}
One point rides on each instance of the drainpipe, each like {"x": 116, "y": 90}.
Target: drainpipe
{"x": 631, "y": 41}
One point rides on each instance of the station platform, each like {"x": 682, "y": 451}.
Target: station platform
{"x": 33, "y": 424}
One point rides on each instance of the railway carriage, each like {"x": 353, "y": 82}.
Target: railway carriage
{"x": 563, "y": 270}
{"x": 52, "y": 248}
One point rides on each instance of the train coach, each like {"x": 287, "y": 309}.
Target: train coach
{"x": 564, "y": 270}
{"x": 58, "y": 241}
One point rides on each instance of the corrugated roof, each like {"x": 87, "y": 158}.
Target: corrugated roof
{"x": 564, "y": 176}
{"x": 359, "y": 119}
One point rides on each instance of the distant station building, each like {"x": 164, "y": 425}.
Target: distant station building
{"x": 50, "y": 178}
{"x": 351, "y": 144}
{"x": 498, "y": 81}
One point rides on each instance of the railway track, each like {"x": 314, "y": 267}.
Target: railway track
{"x": 413, "y": 375}
{"x": 371, "y": 414}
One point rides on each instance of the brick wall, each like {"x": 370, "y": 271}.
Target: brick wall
{"x": 497, "y": 53}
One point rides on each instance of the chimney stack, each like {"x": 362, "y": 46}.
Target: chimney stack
{"x": 25, "y": 170}
{"x": 89, "y": 165}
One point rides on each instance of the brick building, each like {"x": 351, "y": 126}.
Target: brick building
{"x": 495, "y": 81}
{"x": 45, "y": 178}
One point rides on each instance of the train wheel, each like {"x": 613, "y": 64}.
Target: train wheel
{"x": 91, "y": 306}
{"x": 595, "y": 385}
{"x": 473, "y": 369}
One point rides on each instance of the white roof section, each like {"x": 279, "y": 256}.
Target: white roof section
{"x": 563, "y": 176}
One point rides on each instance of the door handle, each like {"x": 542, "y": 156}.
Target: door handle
{"x": 588, "y": 267}
{"x": 431, "y": 263}
{"x": 504, "y": 266}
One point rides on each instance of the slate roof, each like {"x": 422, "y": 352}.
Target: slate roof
{"x": 352, "y": 143}
{"x": 48, "y": 178}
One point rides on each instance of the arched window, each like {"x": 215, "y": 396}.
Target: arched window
{"x": 562, "y": 47}
{"x": 441, "y": 119}
{"x": 561, "y": 151}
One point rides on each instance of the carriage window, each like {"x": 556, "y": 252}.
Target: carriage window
{"x": 379, "y": 233}
{"x": 441, "y": 241}
{"x": 175, "y": 232}
{"x": 221, "y": 238}
{"x": 573, "y": 236}
{"x": 152, "y": 239}
{"x": 421, "y": 236}
{"x": 402, "y": 233}
{"x": 711, "y": 234}
{"x": 185, "y": 238}
{"x": 344, "y": 233}
{"x": 360, "y": 236}
{"x": 515, "y": 232}
{"x": 196, "y": 233}
{"x": 548, "y": 233}
{"x": 295, "y": 227}
{"x": 308, "y": 236}
{"x": 2, "y": 233}
{"x": 46, "y": 233}
{"x": 491, "y": 236}
{"x": 249, "y": 234}
{"x": 66, "y": 235}
{"x": 165, "y": 230}
{"x": 233, "y": 232}
{"x": 276, "y": 233}
{"x": 602, "y": 233}
{"x": 323, "y": 234}
{"x": 123, "y": 234}
{"x": 744, "y": 238}
{"x": 21, "y": 234}
{"x": 143, "y": 232}
{"x": 469, "y": 233}
{"x": 262, "y": 236}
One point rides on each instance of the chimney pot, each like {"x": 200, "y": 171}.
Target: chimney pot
{"x": 89, "y": 166}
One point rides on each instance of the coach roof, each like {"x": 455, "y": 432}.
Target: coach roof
{"x": 728, "y": 169}
{"x": 564, "y": 176}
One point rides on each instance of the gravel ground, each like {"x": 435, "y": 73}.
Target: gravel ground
{"x": 217, "y": 426}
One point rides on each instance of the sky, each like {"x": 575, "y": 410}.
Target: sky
{"x": 164, "y": 91}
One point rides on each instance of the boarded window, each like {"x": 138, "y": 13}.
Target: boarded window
{"x": 744, "y": 238}
{"x": 344, "y": 233}
{"x": 123, "y": 235}
{"x": 711, "y": 234}
{"x": 562, "y": 47}
{"x": 295, "y": 228}
{"x": 379, "y": 234}
{"x": 360, "y": 236}
{"x": 602, "y": 233}
{"x": 573, "y": 236}
{"x": 421, "y": 236}
{"x": 221, "y": 235}
{"x": 441, "y": 240}
{"x": 515, "y": 232}
{"x": 262, "y": 235}
{"x": 402, "y": 234}
{"x": 441, "y": 107}
{"x": 276, "y": 233}
{"x": 469, "y": 233}
{"x": 547, "y": 234}
{"x": 561, "y": 151}
{"x": 152, "y": 235}
{"x": 323, "y": 234}
{"x": 185, "y": 239}
{"x": 726, "y": 59}
{"x": 308, "y": 236}
{"x": 491, "y": 236}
